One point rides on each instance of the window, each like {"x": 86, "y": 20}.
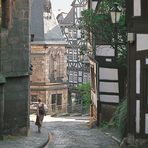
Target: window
{"x": 75, "y": 56}
{"x": 56, "y": 101}
{"x": 75, "y": 77}
{"x": 70, "y": 56}
{"x": 137, "y": 7}
{"x": 85, "y": 77}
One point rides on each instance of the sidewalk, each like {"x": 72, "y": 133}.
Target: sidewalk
{"x": 34, "y": 140}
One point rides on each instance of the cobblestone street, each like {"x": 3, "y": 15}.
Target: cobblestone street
{"x": 73, "y": 132}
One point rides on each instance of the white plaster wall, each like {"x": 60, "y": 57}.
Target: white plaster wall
{"x": 138, "y": 76}
{"x": 104, "y": 50}
{"x": 108, "y": 60}
{"x": 137, "y": 7}
{"x": 142, "y": 42}
{"x": 109, "y": 87}
{"x": 146, "y": 61}
{"x": 146, "y": 123}
{"x": 78, "y": 33}
{"x": 108, "y": 74}
{"x": 94, "y": 3}
{"x": 109, "y": 98}
{"x": 138, "y": 116}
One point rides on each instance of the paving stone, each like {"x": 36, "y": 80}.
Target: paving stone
{"x": 65, "y": 133}
{"x": 76, "y": 134}
{"x": 34, "y": 140}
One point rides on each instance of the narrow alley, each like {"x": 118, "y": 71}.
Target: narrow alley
{"x": 73, "y": 132}
{"x": 73, "y": 74}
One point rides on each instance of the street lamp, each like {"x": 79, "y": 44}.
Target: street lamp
{"x": 115, "y": 13}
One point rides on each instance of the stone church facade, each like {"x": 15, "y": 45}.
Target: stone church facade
{"x": 48, "y": 58}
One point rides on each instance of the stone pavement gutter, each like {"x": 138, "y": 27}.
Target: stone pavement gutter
{"x": 33, "y": 140}
{"x": 113, "y": 133}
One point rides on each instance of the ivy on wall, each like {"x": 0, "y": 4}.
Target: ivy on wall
{"x": 84, "y": 92}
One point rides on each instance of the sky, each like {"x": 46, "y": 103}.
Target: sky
{"x": 63, "y": 5}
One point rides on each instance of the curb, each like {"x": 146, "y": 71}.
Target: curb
{"x": 48, "y": 140}
{"x": 45, "y": 142}
{"x": 113, "y": 137}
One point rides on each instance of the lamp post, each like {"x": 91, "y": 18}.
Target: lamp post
{"x": 115, "y": 13}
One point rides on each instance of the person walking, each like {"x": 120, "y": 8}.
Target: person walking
{"x": 40, "y": 115}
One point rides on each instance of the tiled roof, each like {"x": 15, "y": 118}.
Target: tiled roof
{"x": 70, "y": 18}
{"x": 37, "y": 26}
{"x": 52, "y": 31}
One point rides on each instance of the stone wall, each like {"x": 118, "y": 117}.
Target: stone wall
{"x": 14, "y": 59}
{"x": 38, "y": 60}
{"x": 49, "y": 74}
{"x": 49, "y": 63}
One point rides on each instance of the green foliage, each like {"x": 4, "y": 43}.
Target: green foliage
{"x": 99, "y": 24}
{"x": 84, "y": 91}
{"x": 104, "y": 124}
{"x": 119, "y": 118}
{"x": 83, "y": 48}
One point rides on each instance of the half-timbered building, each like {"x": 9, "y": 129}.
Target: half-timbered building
{"x": 78, "y": 65}
{"x": 137, "y": 22}
{"x": 106, "y": 83}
